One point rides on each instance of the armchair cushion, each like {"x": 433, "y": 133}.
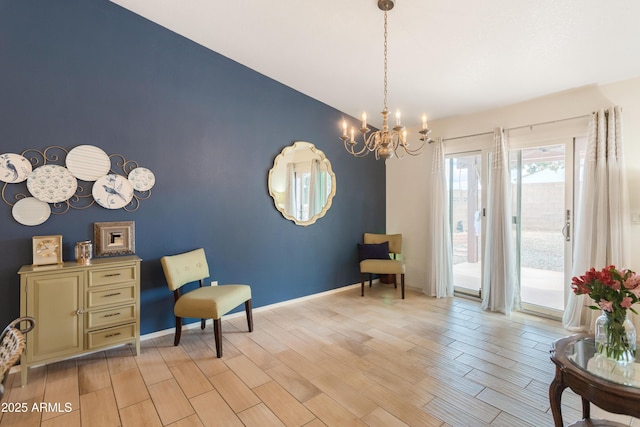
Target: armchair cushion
{"x": 382, "y": 266}
{"x": 211, "y": 302}
{"x": 373, "y": 251}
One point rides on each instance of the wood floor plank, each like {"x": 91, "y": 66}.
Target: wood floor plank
{"x": 93, "y": 373}
{"x": 152, "y": 366}
{"x": 129, "y": 388}
{"x": 298, "y": 386}
{"x": 305, "y": 367}
{"x": 170, "y": 402}
{"x": 331, "y": 412}
{"x": 259, "y": 416}
{"x": 140, "y": 414}
{"x": 234, "y": 391}
{"x": 381, "y": 418}
{"x": 99, "y": 408}
{"x": 191, "y": 379}
{"x": 71, "y": 419}
{"x": 247, "y": 371}
{"x": 516, "y": 407}
{"x": 192, "y": 421}
{"x": 213, "y": 411}
{"x": 61, "y": 388}
{"x": 451, "y": 415}
{"x": 350, "y": 398}
{"x": 289, "y": 410}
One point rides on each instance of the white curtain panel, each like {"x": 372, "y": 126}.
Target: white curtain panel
{"x": 602, "y": 221}
{"x": 440, "y": 276}
{"x": 500, "y": 287}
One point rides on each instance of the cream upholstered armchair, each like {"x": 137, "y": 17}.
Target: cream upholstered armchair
{"x": 205, "y": 302}
{"x": 375, "y": 259}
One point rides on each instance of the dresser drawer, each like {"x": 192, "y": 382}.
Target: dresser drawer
{"x": 111, "y": 316}
{"x": 112, "y": 276}
{"x": 110, "y": 336}
{"x": 112, "y": 295}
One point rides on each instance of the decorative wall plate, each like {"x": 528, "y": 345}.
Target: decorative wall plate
{"x": 142, "y": 179}
{"x": 112, "y": 191}
{"x": 88, "y": 162}
{"x": 14, "y": 168}
{"x": 52, "y": 183}
{"x": 31, "y": 211}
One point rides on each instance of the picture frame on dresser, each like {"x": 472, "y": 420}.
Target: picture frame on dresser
{"x": 114, "y": 238}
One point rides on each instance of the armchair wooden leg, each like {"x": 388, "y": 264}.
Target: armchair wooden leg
{"x": 247, "y": 308}
{"x": 402, "y": 284}
{"x": 370, "y": 279}
{"x": 203, "y": 323}
{"x": 176, "y": 340}
{"x": 361, "y": 284}
{"x": 217, "y": 334}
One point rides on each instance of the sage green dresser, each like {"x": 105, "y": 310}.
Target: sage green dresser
{"x": 79, "y": 308}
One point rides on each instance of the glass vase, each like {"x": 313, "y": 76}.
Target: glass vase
{"x": 615, "y": 337}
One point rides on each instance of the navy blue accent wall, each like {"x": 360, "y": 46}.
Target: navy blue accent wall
{"x": 78, "y": 72}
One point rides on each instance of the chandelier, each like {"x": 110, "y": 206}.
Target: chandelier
{"x": 385, "y": 142}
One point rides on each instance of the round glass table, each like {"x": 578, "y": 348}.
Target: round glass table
{"x": 609, "y": 385}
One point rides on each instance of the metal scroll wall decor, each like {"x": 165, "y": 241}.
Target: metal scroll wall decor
{"x": 37, "y": 183}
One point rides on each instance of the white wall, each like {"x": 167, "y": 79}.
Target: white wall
{"x": 408, "y": 179}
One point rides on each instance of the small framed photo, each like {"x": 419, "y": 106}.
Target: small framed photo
{"x": 114, "y": 238}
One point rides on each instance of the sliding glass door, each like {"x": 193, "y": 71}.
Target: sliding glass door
{"x": 465, "y": 217}
{"x": 543, "y": 212}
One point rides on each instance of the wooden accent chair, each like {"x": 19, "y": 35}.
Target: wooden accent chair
{"x": 12, "y": 342}
{"x": 383, "y": 264}
{"x": 205, "y": 302}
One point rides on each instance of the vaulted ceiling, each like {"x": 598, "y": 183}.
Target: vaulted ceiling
{"x": 445, "y": 57}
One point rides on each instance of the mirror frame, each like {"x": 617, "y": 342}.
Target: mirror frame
{"x": 296, "y": 146}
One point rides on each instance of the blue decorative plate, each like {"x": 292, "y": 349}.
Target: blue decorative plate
{"x": 142, "y": 179}
{"x": 52, "y": 183}
{"x": 112, "y": 191}
{"x": 14, "y": 168}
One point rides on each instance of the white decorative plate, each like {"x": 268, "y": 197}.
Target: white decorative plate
{"x": 31, "y": 211}
{"x": 14, "y": 168}
{"x": 88, "y": 162}
{"x": 142, "y": 179}
{"x": 52, "y": 183}
{"x": 112, "y": 191}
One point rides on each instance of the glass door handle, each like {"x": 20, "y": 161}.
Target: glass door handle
{"x": 566, "y": 231}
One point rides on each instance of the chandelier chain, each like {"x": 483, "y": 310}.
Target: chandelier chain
{"x": 385, "y": 60}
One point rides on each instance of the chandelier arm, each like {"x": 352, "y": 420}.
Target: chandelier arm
{"x": 351, "y": 149}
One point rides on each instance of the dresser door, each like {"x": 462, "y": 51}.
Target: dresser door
{"x": 55, "y": 302}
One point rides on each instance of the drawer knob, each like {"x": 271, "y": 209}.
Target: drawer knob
{"x": 80, "y": 312}
{"x": 112, "y": 275}
{"x": 112, "y": 335}
{"x": 111, "y": 315}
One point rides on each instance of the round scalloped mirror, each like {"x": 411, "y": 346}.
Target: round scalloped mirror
{"x": 302, "y": 183}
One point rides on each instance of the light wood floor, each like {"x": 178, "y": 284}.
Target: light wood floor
{"x": 337, "y": 360}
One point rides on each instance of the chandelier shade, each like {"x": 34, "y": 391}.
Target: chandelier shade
{"x": 385, "y": 142}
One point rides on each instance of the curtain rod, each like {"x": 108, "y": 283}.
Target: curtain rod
{"x": 518, "y": 127}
